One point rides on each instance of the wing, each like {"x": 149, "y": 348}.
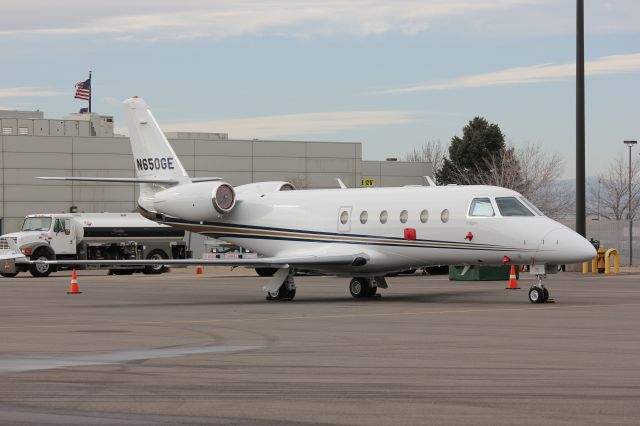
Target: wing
{"x": 359, "y": 259}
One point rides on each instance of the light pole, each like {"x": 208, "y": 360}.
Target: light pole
{"x": 599, "y": 182}
{"x": 630, "y": 144}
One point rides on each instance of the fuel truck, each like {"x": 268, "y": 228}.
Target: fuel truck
{"x": 94, "y": 236}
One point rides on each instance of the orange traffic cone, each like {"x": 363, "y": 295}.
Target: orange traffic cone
{"x": 513, "y": 281}
{"x": 199, "y": 270}
{"x": 73, "y": 287}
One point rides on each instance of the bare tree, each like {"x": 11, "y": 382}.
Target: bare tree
{"x": 431, "y": 151}
{"x": 613, "y": 194}
{"x": 541, "y": 173}
{"x": 528, "y": 170}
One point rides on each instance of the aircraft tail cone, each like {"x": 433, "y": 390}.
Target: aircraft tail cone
{"x": 513, "y": 281}
{"x": 73, "y": 287}
{"x": 199, "y": 270}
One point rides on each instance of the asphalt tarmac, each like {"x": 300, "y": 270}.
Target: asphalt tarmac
{"x": 186, "y": 349}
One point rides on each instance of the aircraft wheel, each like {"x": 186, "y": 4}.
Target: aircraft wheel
{"x": 266, "y": 272}
{"x": 372, "y": 291}
{"x": 283, "y": 293}
{"x": 359, "y": 287}
{"x": 545, "y": 295}
{"x": 8, "y": 275}
{"x": 536, "y": 295}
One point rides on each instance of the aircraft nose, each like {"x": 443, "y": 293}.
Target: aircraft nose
{"x": 566, "y": 246}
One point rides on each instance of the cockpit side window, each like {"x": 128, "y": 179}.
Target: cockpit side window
{"x": 511, "y": 206}
{"x": 481, "y": 207}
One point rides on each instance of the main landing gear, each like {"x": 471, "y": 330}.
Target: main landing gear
{"x": 366, "y": 287}
{"x": 538, "y": 292}
{"x": 281, "y": 286}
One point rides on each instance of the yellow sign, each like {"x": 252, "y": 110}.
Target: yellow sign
{"x": 367, "y": 182}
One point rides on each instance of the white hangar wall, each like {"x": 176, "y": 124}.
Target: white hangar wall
{"x": 307, "y": 164}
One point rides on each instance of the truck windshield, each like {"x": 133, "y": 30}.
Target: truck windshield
{"x": 36, "y": 224}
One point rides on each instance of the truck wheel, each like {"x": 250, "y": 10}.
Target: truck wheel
{"x": 8, "y": 275}
{"x": 41, "y": 270}
{"x": 156, "y": 254}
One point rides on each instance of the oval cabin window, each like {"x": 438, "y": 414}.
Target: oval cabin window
{"x": 404, "y": 215}
{"x": 344, "y": 217}
{"x": 444, "y": 216}
{"x": 364, "y": 216}
{"x": 424, "y": 216}
{"x": 384, "y": 216}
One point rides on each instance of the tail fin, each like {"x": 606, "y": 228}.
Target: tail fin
{"x": 153, "y": 156}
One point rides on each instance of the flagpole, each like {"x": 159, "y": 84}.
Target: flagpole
{"x": 90, "y": 91}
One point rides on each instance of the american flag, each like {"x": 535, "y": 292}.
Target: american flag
{"x": 83, "y": 90}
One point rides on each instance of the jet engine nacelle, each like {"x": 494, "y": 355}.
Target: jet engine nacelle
{"x": 196, "y": 201}
{"x": 264, "y": 187}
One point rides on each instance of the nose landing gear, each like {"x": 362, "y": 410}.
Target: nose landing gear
{"x": 538, "y": 292}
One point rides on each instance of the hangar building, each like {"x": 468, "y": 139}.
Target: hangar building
{"x": 85, "y": 145}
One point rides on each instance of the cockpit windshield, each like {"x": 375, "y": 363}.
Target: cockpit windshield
{"x": 511, "y": 206}
{"x": 36, "y": 224}
{"x": 531, "y": 206}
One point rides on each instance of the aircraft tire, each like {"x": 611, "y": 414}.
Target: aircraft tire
{"x": 6, "y": 275}
{"x": 372, "y": 291}
{"x": 359, "y": 287}
{"x": 545, "y": 295}
{"x": 283, "y": 293}
{"x": 266, "y": 272}
{"x": 536, "y": 295}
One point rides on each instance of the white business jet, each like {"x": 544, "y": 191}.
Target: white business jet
{"x": 364, "y": 233}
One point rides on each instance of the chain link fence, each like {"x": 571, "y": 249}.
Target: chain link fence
{"x": 614, "y": 234}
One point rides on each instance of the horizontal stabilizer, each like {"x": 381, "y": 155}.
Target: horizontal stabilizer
{"x": 273, "y": 262}
{"x": 107, "y": 179}
{"x": 205, "y": 179}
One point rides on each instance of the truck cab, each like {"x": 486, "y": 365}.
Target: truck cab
{"x": 93, "y": 236}
{"x": 42, "y": 236}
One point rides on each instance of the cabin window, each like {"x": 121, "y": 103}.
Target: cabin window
{"x": 344, "y": 217}
{"x": 481, "y": 207}
{"x": 364, "y": 216}
{"x": 404, "y": 215}
{"x": 384, "y": 216}
{"x": 424, "y": 216}
{"x": 510, "y": 206}
{"x": 444, "y": 216}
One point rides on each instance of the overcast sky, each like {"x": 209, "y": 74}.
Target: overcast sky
{"x": 389, "y": 74}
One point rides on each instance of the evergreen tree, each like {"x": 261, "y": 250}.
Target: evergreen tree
{"x": 482, "y": 143}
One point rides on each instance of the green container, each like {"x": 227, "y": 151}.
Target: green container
{"x": 481, "y": 273}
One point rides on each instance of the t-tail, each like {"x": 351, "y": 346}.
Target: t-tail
{"x": 158, "y": 170}
{"x": 153, "y": 157}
